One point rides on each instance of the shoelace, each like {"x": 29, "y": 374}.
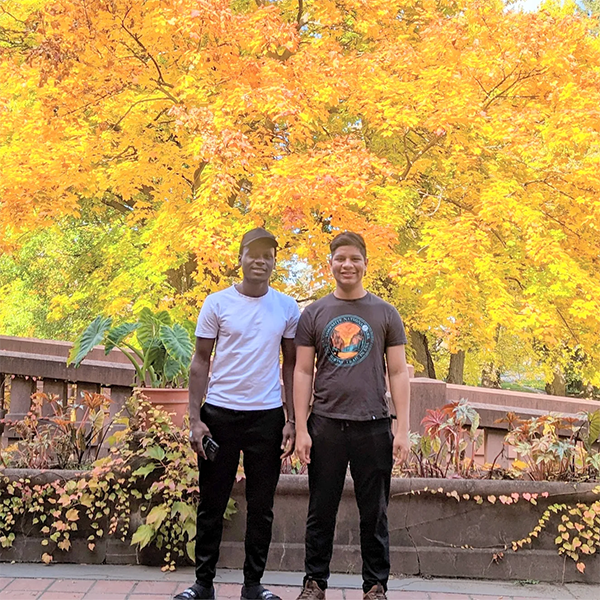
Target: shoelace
{"x": 378, "y": 594}
{"x": 307, "y": 593}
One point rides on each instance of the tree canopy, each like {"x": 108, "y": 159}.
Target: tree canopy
{"x": 459, "y": 136}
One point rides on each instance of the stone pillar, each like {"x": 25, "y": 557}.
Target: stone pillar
{"x": 21, "y": 389}
{"x": 118, "y": 394}
{"x": 58, "y": 387}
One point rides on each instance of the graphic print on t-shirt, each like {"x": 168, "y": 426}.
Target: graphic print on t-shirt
{"x": 347, "y": 340}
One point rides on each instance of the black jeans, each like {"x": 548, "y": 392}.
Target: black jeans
{"x": 258, "y": 434}
{"x": 367, "y": 446}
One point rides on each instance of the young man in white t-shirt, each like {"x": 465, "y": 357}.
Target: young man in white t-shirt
{"x": 247, "y": 325}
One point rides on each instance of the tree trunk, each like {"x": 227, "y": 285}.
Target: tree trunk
{"x": 490, "y": 376}
{"x": 558, "y": 386}
{"x": 456, "y": 369}
{"x": 419, "y": 342}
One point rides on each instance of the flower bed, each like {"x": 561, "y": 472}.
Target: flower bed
{"x": 449, "y": 528}
{"x": 138, "y": 505}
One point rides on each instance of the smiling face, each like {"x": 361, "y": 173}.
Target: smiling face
{"x": 257, "y": 261}
{"x": 348, "y": 266}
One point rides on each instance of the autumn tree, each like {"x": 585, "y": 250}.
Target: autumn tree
{"x": 460, "y": 137}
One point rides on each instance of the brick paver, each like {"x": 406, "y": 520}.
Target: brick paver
{"x": 104, "y": 596}
{"x": 84, "y": 589}
{"x": 27, "y": 585}
{"x": 103, "y": 583}
{"x": 115, "y": 587}
{"x": 66, "y": 586}
{"x": 156, "y": 587}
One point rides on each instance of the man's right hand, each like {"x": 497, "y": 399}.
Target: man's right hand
{"x": 198, "y": 430}
{"x": 303, "y": 446}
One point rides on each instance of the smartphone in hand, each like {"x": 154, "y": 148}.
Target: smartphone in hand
{"x": 211, "y": 448}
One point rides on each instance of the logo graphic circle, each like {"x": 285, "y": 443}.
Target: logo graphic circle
{"x": 347, "y": 340}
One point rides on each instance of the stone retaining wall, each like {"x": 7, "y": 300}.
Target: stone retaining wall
{"x": 431, "y": 534}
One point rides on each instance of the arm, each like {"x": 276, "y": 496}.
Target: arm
{"x": 400, "y": 391}
{"x": 303, "y": 384}
{"x": 198, "y": 381}
{"x": 288, "y": 349}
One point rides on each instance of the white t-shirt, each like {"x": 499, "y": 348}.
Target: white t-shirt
{"x": 245, "y": 367}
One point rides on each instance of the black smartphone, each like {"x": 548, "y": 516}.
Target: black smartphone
{"x": 210, "y": 447}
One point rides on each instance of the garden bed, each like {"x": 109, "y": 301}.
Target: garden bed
{"x": 443, "y": 528}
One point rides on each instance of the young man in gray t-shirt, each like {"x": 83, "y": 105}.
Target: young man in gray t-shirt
{"x": 356, "y": 337}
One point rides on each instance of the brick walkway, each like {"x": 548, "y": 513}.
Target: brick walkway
{"x": 101, "y": 582}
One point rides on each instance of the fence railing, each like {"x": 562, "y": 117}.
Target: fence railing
{"x": 30, "y": 365}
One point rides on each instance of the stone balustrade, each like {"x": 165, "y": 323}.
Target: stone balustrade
{"x": 29, "y": 365}
{"x": 40, "y": 365}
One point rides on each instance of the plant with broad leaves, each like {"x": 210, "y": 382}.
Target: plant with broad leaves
{"x": 151, "y": 468}
{"x": 442, "y": 450}
{"x": 555, "y": 447}
{"x": 58, "y": 433}
{"x": 160, "y": 351}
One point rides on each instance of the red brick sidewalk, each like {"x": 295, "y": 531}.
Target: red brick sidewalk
{"x": 93, "y": 589}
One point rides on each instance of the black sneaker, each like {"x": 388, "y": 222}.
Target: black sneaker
{"x": 257, "y": 592}
{"x": 197, "y": 592}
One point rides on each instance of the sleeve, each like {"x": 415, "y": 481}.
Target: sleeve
{"x": 395, "y": 334}
{"x": 305, "y": 334}
{"x": 292, "y": 320}
{"x": 208, "y": 321}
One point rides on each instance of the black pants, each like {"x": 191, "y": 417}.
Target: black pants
{"x": 258, "y": 434}
{"x": 367, "y": 446}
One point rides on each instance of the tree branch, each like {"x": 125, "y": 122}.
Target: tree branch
{"x": 161, "y": 79}
{"x": 115, "y": 125}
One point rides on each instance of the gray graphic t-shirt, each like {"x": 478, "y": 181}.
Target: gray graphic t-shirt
{"x": 350, "y": 338}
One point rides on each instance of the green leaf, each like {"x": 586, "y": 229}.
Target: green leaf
{"x": 178, "y": 343}
{"x": 164, "y": 317}
{"x": 189, "y": 527}
{"x": 155, "y": 356}
{"x": 171, "y": 369}
{"x": 148, "y": 332}
{"x": 90, "y": 338}
{"x": 155, "y": 452}
{"x": 117, "y": 334}
{"x": 184, "y": 510}
{"x": 191, "y": 549}
{"x": 594, "y": 429}
{"x": 145, "y": 470}
{"x": 143, "y": 536}
{"x": 426, "y": 446}
{"x": 230, "y": 510}
{"x": 156, "y": 516}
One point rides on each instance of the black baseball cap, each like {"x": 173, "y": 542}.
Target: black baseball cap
{"x": 258, "y": 233}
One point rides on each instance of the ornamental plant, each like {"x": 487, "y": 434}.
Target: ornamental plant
{"x": 555, "y": 447}
{"x": 150, "y": 470}
{"x": 160, "y": 351}
{"x": 60, "y": 433}
{"x": 441, "y": 450}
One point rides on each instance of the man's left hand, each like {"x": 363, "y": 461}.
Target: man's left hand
{"x": 289, "y": 440}
{"x": 401, "y": 447}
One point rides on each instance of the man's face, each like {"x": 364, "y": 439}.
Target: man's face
{"x": 348, "y": 266}
{"x": 257, "y": 261}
